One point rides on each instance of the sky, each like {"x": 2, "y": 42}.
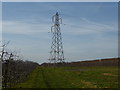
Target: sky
{"x": 0, "y": 22}
{"x": 59, "y": 0}
{"x": 89, "y": 29}
{"x": 0, "y": 43}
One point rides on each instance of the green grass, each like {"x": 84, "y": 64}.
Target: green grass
{"x": 72, "y": 77}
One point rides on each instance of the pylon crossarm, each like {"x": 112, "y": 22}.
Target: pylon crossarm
{"x": 60, "y": 19}
{"x": 53, "y": 19}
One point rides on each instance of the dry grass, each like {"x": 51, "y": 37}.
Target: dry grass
{"x": 109, "y": 74}
{"x": 88, "y": 84}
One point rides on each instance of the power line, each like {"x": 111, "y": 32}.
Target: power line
{"x": 84, "y": 28}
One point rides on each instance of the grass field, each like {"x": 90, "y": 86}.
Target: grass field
{"x": 72, "y": 77}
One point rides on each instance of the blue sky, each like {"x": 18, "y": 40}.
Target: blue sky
{"x": 0, "y": 22}
{"x": 89, "y": 30}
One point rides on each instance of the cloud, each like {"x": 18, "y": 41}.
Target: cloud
{"x": 16, "y": 27}
{"x": 94, "y": 40}
{"x": 85, "y": 26}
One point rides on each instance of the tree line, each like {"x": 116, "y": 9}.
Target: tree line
{"x": 14, "y": 69}
{"x": 89, "y": 63}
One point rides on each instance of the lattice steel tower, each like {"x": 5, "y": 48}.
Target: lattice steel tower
{"x": 56, "y": 53}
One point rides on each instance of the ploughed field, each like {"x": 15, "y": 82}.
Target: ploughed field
{"x": 72, "y": 77}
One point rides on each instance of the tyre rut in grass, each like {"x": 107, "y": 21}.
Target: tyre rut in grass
{"x": 44, "y": 78}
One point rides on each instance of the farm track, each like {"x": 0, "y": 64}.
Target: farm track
{"x": 44, "y": 78}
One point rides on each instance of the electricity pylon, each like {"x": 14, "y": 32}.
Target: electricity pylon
{"x": 56, "y": 53}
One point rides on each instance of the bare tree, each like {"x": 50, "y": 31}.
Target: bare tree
{"x": 14, "y": 69}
